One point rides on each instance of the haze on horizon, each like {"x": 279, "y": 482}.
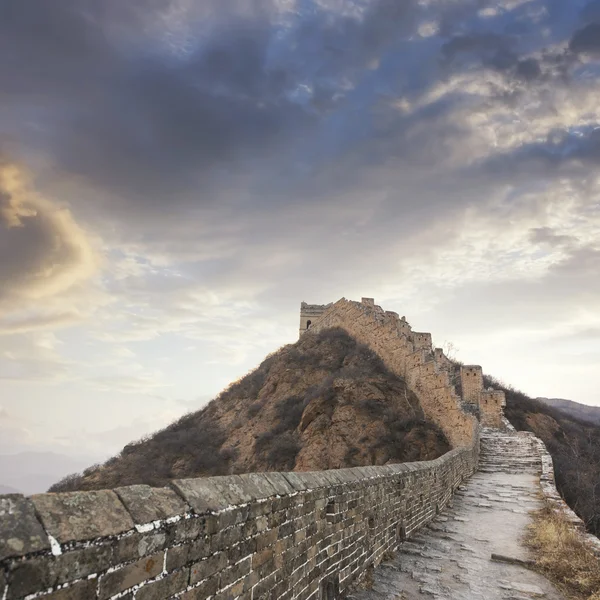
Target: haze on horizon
{"x": 176, "y": 176}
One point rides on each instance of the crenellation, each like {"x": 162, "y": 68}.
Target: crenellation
{"x": 471, "y": 377}
{"x": 491, "y": 406}
{"x": 442, "y": 360}
{"x": 422, "y": 340}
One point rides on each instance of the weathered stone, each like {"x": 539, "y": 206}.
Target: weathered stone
{"x": 279, "y": 483}
{"x": 296, "y": 481}
{"x": 42, "y": 572}
{"x": 207, "y": 588}
{"x": 233, "y": 489}
{"x": 146, "y": 504}
{"x": 191, "y": 552}
{"x": 20, "y": 530}
{"x": 260, "y": 487}
{"x": 82, "y": 590}
{"x": 128, "y": 576}
{"x": 164, "y": 588}
{"x": 202, "y": 494}
{"x": 2, "y": 584}
{"x": 235, "y": 572}
{"x": 137, "y": 545}
{"x": 530, "y": 590}
{"x": 205, "y": 568}
{"x": 78, "y": 516}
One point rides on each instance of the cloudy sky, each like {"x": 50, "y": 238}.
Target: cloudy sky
{"x": 177, "y": 175}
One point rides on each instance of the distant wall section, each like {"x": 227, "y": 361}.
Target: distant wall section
{"x": 410, "y": 355}
{"x": 309, "y": 313}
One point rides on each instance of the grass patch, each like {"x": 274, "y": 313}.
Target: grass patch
{"x": 562, "y": 556}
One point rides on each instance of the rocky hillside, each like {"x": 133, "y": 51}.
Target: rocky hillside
{"x": 573, "y": 443}
{"x": 582, "y": 412}
{"x": 324, "y": 402}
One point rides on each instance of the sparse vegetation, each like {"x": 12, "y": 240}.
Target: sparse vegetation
{"x": 325, "y": 392}
{"x": 563, "y": 557}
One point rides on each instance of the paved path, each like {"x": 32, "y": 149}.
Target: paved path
{"x": 451, "y": 558}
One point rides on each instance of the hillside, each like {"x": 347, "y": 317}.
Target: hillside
{"x": 573, "y": 443}
{"x": 582, "y": 412}
{"x": 324, "y": 402}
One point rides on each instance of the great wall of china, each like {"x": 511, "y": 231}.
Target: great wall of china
{"x": 267, "y": 536}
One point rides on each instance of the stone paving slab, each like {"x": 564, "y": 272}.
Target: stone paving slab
{"x": 451, "y": 558}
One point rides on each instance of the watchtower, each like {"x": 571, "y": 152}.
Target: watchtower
{"x": 309, "y": 313}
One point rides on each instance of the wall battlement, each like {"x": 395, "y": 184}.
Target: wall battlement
{"x": 259, "y": 536}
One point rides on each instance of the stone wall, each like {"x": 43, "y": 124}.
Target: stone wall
{"x": 491, "y": 408}
{"x": 471, "y": 378}
{"x": 410, "y": 355}
{"x": 262, "y": 536}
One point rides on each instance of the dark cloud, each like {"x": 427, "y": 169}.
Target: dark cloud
{"x": 528, "y": 69}
{"x": 591, "y": 12}
{"x": 586, "y": 39}
{"x": 249, "y": 110}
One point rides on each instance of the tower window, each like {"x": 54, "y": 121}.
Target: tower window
{"x": 308, "y": 324}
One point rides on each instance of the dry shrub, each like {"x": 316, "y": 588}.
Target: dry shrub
{"x": 563, "y": 556}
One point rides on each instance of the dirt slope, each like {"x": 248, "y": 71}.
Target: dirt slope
{"x": 324, "y": 402}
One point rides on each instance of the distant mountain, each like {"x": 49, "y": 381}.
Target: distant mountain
{"x": 34, "y": 472}
{"x": 5, "y": 489}
{"x": 591, "y": 414}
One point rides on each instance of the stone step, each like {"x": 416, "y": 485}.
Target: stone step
{"x": 508, "y": 453}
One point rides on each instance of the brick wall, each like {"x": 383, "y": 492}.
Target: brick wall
{"x": 262, "y": 536}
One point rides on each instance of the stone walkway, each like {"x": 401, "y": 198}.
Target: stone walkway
{"x": 451, "y": 558}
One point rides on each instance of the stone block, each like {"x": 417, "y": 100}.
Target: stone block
{"x": 296, "y": 481}
{"x": 43, "y": 572}
{"x": 137, "y": 545}
{"x": 189, "y": 529}
{"x": 190, "y": 552}
{"x": 264, "y": 488}
{"x": 202, "y": 494}
{"x": 206, "y": 589}
{"x": 208, "y": 567}
{"x": 82, "y": 590}
{"x": 126, "y": 577}
{"x": 78, "y": 516}
{"x": 235, "y": 572}
{"x": 146, "y": 504}
{"x": 20, "y": 530}
{"x": 280, "y": 483}
{"x": 164, "y": 588}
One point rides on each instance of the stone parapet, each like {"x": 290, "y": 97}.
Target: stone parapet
{"x": 555, "y": 500}
{"x": 256, "y": 536}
